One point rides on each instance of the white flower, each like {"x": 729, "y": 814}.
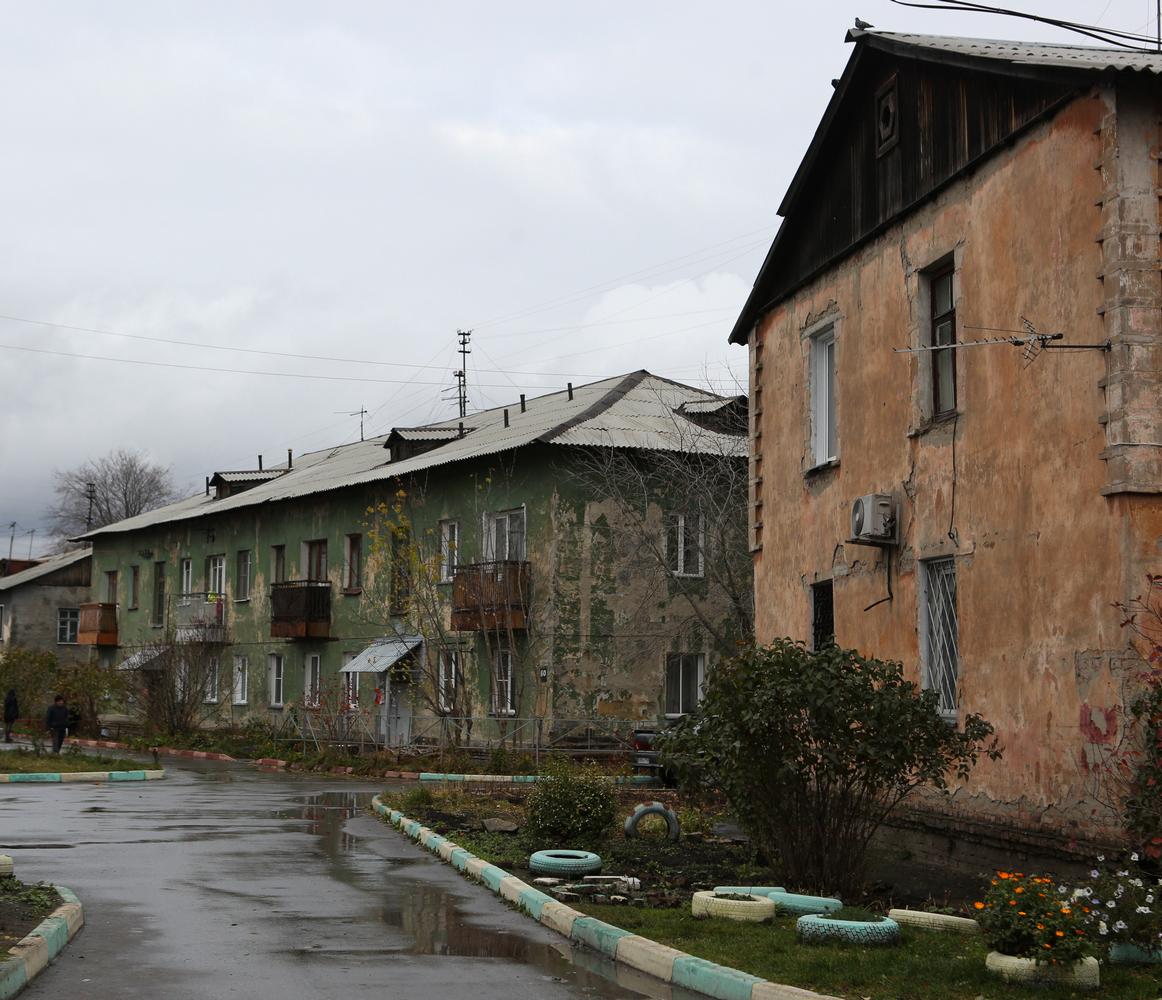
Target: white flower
{"x": 1149, "y": 897}
{"x": 1120, "y": 925}
{"x": 1136, "y": 882}
{"x": 1095, "y": 874}
{"x": 1124, "y": 874}
{"x": 1143, "y": 909}
{"x": 1102, "y": 927}
{"x": 1134, "y": 856}
{"x": 1111, "y": 904}
{"x": 1101, "y": 857}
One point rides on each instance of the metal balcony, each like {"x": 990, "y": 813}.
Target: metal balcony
{"x": 97, "y": 625}
{"x": 300, "y": 609}
{"x": 491, "y": 596}
{"x": 200, "y": 618}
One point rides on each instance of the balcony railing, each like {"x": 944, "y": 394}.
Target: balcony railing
{"x": 97, "y": 625}
{"x": 300, "y": 609}
{"x": 491, "y": 595}
{"x": 200, "y": 618}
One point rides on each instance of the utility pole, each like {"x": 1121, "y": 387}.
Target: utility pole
{"x": 31, "y": 536}
{"x": 91, "y": 496}
{"x": 11, "y": 539}
{"x": 360, "y": 413}
{"x": 462, "y": 375}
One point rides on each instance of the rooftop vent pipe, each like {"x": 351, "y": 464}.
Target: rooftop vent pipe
{"x": 289, "y": 460}
{"x": 259, "y": 463}
{"x": 207, "y": 486}
{"x": 522, "y": 402}
{"x": 506, "y": 417}
{"x": 570, "y": 387}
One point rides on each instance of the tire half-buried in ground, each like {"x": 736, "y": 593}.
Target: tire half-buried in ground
{"x": 644, "y": 809}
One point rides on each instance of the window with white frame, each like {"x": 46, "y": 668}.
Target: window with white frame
{"x": 448, "y": 670}
{"x": 824, "y": 440}
{"x": 187, "y": 575}
{"x": 939, "y": 633}
{"x": 504, "y": 536}
{"x": 684, "y": 543}
{"x": 503, "y": 698}
{"x": 353, "y": 562}
{"x": 215, "y": 577}
{"x": 212, "y": 681}
{"x": 683, "y": 682}
{"x": 449, "y": 548}
{"x": 312, "y": 680}
{"x": 942, "y": 337}
{"x": 67, "y": 622}
{"x": 242, "y": 576}
{"x": 111, "y": 586}
{"x": 276, "y": 680}
{"x": 350, "y": 686}
{"x": 241, "y": 680}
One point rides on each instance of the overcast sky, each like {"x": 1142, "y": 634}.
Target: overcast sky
{"x": 589, "y": 187}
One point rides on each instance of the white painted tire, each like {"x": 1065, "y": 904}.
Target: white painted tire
{"x": 1083, "y": 975}
{"x": 754, "y": 910}
{"x": 816, "y": 929}
{"x": 935, "y": 921}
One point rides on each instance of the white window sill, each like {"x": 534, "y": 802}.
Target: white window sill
{"x": 831, "y": 463}
{"x": 240, "y": 704}
{"x": 279, "y": 707}
{"x": 211, "y": 701}
{"x": 507, "y": 713}
{"x": 676, "y": 715}
{"x": 241, "y": 600}
{"x": 689, "y": 576}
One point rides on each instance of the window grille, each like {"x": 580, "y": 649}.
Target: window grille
{"x": 942, "y": 654}
{"x": 822, "y": 614}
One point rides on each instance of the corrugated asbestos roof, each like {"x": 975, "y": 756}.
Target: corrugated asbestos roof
{"x": 631, "y": 411}
{"x": 50, "y": 565}
{"x": 1089, "y": 58}
{"x": 255, "y": 475}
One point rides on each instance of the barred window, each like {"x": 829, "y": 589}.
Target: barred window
{"x": 940, "y": 651}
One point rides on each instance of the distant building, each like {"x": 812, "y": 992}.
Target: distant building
{"x": 40, "y": 607}
{"x": 464, "y": 575}
{"x": 958, "y": 190}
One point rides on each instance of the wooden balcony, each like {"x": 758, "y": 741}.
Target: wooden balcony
{"x": 199, "y": 618}
{"x": 300, "y": 609}
{"x": 97, "y": 625}
{"x": 491, "y": 596}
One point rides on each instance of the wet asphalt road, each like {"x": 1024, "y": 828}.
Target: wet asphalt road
{"x": 222, "y": 881}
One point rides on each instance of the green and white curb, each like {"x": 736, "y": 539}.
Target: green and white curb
{"x": 517, "y": 779}
{"x": 664, "y": 963}
{"x": 32, "y": 954}
{"x": 67, "y": 777}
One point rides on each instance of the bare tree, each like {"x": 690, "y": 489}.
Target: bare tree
{"x": 681, "y": 513}
{"x": 180, "y": 688}
{"x": 111, "y": 488}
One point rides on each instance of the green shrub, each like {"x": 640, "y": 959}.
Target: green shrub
{"x": 813, "y": 750}
{"x": 1026, "y": 916}
{"x": 498, "y": 762}
{"x": 570, "y": 805}
{"x": 417, "y": 799}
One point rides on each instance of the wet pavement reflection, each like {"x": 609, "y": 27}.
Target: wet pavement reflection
{"x": 225, "y": 882}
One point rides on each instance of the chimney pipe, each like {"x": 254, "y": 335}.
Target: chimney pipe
{"x": 289, "y": 460}
{"x": 570, "y": 387}
{"x": 259, "y": 463}
{"x": 207, "y": 486}
{"x": 461, "y": 428}
{"x": 506, "y": 416}
{"x": 522, "y": 402}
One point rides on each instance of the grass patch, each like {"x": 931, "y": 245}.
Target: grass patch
{"x": 30, "y": 762}
{"x": 927, "y": 964}
{"x": 22, "y": 907}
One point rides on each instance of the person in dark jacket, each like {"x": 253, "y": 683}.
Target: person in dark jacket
{"x": 57, "y": 720}
{"x": 11, "y": 713}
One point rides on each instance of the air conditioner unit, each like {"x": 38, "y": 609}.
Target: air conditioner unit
{"x": 873, "y": 519}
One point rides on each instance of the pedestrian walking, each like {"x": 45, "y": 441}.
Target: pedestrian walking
{"x": 11, "y": 713}
{"x": 57, "y": 720}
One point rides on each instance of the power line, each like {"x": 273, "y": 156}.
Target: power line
{"x": 226, "y": 371}
{"x": 565, "y": 299}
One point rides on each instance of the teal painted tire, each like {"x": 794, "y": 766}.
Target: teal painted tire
{"x": 796, "y": 905}
{"x": 815, "y": 929}
{"x": 643, "y": 809}
{"x": 562, "y": 862}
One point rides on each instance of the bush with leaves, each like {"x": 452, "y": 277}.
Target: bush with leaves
{"x": 1029, "y": 916}
{"x": 813, "y": 750}
{"x": 571, "y": 805}
{"x": 1124, "y": 902}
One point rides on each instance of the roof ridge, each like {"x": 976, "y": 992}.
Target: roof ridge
{"x": 619, "y": 391}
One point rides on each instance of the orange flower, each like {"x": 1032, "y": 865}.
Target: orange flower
{"x": 1022, "y": 913}
{"x": 1012, "y": 902}
{"x": 1066, "y": 910}
{"x": 1003, "y": 875}
{"x": 1046, "y": 946}
{"x": 1059, "y": 933}
{"x": 1019, "y": 889}
{"x": 1040, "y": 927}
{"x": 979, "y": 906}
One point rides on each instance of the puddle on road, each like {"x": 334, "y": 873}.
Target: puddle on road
{"x": 434, "y": 917}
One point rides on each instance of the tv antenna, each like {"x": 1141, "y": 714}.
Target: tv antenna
{"x": 462, "y": 375}
{"x": 1031, "y": 341}
{"x": 360, "y": 413}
